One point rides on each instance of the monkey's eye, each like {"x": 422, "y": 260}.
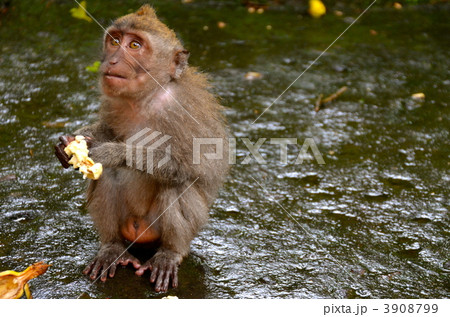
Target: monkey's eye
{"x": 115, "y": 42}
{"x": 135, "y": 45}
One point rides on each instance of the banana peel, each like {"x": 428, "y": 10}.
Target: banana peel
{"x": 13, "y": 284}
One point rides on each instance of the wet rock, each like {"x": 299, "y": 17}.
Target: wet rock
{"x": 310, "y": 179}
{"x": 400, "y": 181}
{"x": 411, "y": 250}
{"x": 446, "y": 267}
{"x": 339, "y": 68}
{"x": 376, "y": 195}
{"x": 266, "y": 280}
{"x": 10, "y": 177}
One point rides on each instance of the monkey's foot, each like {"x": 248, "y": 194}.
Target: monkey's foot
{"x": 164, "y": 267}
{"x": 127, "y": 258}
{"x": 105, "y": 263}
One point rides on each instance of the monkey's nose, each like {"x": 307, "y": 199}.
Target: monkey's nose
{"x": 113, "y": 61}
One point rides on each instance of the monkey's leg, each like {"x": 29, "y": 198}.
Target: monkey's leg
{"x": 180, "y": 221}
{"x": 105, "y": 205}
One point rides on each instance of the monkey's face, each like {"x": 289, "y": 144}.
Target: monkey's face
{"x": 128, "y": 64}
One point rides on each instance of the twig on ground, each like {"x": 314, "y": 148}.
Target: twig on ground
{"x": 320, "y": 102}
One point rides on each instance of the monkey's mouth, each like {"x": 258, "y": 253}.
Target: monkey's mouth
{"x": 109, "y": 75}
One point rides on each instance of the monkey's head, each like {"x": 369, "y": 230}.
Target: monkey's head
{"x": 140, "y": 53}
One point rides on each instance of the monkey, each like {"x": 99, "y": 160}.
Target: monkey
{"x": 147, "y": 83}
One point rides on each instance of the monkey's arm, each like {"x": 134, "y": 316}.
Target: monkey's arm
{"x": 114, "y": 154}
{"x": 96, "y": 133}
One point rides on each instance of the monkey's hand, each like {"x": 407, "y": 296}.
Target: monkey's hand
{"x": 59, "y": 149}
{"x": 105, "y": 263}
{"x": 164, "y": 266}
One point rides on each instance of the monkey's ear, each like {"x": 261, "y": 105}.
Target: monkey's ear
{"x": 179, "y": 64}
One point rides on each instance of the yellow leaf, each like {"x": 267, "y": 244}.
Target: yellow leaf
{"x": 316, "y": 8}
{"x": 80, "y": 12}
{"x": 418, "y": 96}
{"x": 93, "y": 68}
{"x": 252, "y": 75}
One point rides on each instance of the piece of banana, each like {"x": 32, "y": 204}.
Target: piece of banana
{"x": 79, "y": 151}
{"x": 13, "y": 284}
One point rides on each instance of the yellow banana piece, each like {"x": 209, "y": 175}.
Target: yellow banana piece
{"x": 316, "y": 8}
{"x": 13, "y": 284}
{"x": 79, "y": 151}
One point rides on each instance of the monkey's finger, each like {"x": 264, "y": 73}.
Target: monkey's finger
{"x": 175, "y": 277}
{"x": 137, "y": 263}
{"x": 89, "y": 141}
{"x": 112, "y": 270}
{"x": 140, "y": 271}
{"x": 104, "y": 274}
{"x": 66, "y": 139}
{"x": 163, "y": 277}
{"x": 88, "y": 268}
{"x": 95, "y": 270}
{"x": 61, "y": 155}
{"x": 143, "y": 268}
{"x": 154, "y": 274}
{"x": 123, "y": 261}
{"x": 165, "y": 281}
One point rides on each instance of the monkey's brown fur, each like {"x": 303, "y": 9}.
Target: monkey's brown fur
{"x": 174, "y": 200}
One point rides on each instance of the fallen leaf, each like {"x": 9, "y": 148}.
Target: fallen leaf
{"x": 221, "y": 24}
{"x": 252, "y": 75}
{"x": 93, "y": 68}
{"x": 418, "y": 96}
{"x": 79, "y": 12}
{"x": 49, "y": 124}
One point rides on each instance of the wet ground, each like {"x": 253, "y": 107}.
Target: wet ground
{"x": 370, "y": 223}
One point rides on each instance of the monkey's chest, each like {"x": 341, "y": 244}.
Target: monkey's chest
{"x": 139, "y": 230}
{"x": 125, "y": 122}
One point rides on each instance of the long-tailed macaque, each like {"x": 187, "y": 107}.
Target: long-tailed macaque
{"x": 147, "y": 83}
